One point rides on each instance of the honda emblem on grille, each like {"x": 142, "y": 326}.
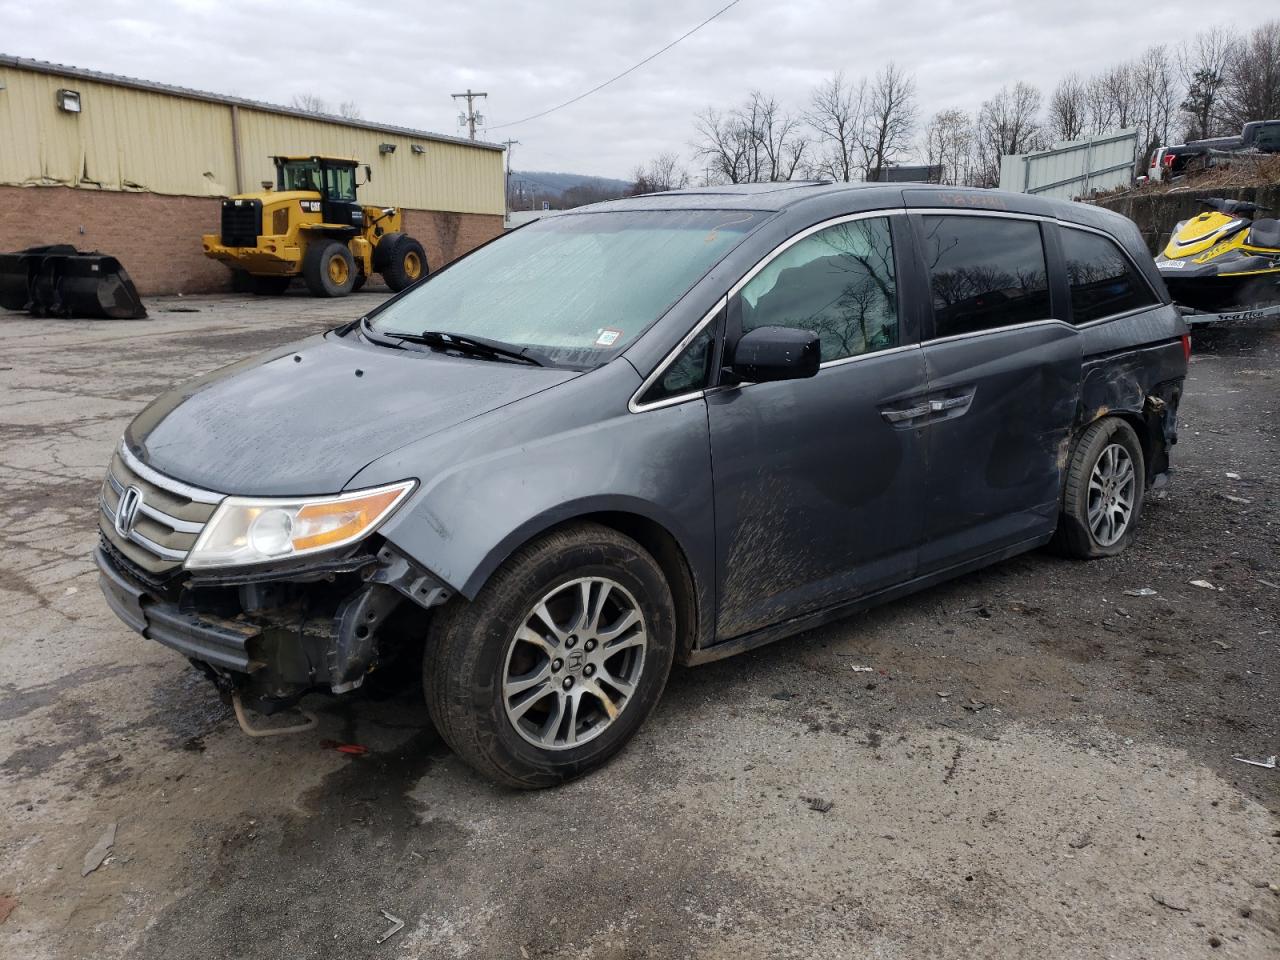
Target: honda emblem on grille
{"x": 127, "y": 511}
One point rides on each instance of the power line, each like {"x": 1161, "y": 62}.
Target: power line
{"x": 631, "y": 69}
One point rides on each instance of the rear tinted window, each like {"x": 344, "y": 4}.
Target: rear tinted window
{"x": 984, "y": 272}
{"x": 1103, "y": 281}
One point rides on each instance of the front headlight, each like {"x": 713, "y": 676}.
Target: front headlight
{"x": 247, "y": 530}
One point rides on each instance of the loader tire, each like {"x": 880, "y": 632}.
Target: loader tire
{"x": 329, "y": 269}
{"x": 402, "y": 261}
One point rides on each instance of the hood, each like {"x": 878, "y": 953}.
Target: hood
{"x": 306, "y": 418}
{"x": 278, "y": 196}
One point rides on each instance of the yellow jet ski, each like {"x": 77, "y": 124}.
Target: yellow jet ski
{"x": 1225, "y": 259}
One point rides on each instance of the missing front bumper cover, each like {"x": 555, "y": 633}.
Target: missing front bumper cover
{"x": 275, "y": 638}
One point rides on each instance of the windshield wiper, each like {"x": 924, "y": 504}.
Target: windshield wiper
{"x": 477, "y": 346}
{"x": 462, "y": 342}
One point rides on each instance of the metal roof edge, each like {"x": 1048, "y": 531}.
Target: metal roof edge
{"x": 149, "y": 86}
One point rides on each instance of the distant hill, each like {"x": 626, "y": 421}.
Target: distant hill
{"x": 556, "y": 184}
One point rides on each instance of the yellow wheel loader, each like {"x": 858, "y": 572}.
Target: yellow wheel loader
{"x": 311, "y": 226}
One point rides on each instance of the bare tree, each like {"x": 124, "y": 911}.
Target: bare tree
{"x": 779, "y": 136}
{"x": 890, "y": 118}
{"x": 722, "y": 145}
{"x": 1007, "y": 123}
{"x": 1203, "y": 64}
{"x": 1068, "y": 109}
{"x": 836, "y": 116}
{"x": 948, "y": 142}
{"x": 754, "y": 142}
{"x": 1112, "y": 99}
{"x": 1155, "y": 81}
{"x": 310, "y": 103}
{"x": 664, "y": 172}
{"x": 1252, "y": 89}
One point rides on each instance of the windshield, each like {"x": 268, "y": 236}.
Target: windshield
{"x": 300, "y": 175}
{"x": 576, "y": 288}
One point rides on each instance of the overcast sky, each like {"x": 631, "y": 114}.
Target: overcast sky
{"x": 400, "y": 61}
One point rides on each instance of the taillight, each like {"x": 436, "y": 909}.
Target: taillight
{"x": 1186, "y": 347}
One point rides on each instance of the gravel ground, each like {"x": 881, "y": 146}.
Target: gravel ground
{"x": 1038, "y": 764}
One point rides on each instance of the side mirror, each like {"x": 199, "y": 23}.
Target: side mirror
{"x": 368, "y": 174}
{"x": 776, "y": 353}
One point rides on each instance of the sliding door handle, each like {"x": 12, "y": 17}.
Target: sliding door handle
{"x": 950, "y": 403}
{"x": 906, "y": 413}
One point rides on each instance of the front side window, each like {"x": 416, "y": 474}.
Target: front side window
{"x": 984, "y": 272}
{"x": 577, "y": 288}
{"x": 340, "y": 183}
{"x": 687, "y": 373}
{"x": 1103, "y": 281}
{"x": 839, "y": 283}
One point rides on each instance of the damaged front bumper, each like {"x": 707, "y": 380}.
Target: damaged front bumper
{"x": 274, "y": 634}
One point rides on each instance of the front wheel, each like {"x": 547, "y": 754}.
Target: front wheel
{"x": 558, "y": 660}
{"x": 1103, "y": 495}
{"x": 401, "y": 260}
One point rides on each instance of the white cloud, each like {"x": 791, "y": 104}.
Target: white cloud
{"x": 400, "y": 61}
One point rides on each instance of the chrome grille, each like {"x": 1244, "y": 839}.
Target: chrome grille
{"x": 161, "y": 517}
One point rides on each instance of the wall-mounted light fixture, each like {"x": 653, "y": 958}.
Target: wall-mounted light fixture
{"x": 68, "y": 101}
{"x": 385, "y": 148}
{"x": 418, "y": 148}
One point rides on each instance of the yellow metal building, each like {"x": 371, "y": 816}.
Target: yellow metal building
{"x": 97, "y": 160}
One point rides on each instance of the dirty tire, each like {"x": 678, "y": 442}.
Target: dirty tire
{"x": 402, "y": 261}
{"x": 1074, "y": 536}
{"x": 269, "y": 286}
{"x": 329, "y": 269}
{"x": 465, "y": 659}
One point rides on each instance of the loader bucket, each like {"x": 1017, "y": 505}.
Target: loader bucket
{"x": 60, "y": 281}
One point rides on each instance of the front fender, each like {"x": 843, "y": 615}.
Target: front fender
{"x": 496, "y": 482}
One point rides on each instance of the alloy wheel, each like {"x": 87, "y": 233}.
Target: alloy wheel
{"x": 1112, "y": 486}
{"x": 575, "y": 663}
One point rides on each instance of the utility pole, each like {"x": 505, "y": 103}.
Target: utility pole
{"x": 506, "y": 183}
{"x": 470, "y": 118}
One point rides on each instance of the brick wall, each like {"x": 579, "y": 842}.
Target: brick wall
{"x": 157, "y": 237}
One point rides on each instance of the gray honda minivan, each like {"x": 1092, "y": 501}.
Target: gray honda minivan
{"x": 672, "y": 427}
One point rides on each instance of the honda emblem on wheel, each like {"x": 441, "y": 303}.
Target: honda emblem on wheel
{"x": 127, "y": 511}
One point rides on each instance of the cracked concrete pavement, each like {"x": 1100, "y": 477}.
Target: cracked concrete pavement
{"x": 1038, "y": 764}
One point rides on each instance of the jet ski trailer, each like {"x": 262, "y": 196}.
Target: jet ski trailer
{"x": 61, "y": 281}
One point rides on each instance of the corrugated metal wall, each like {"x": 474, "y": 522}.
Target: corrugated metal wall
{"x": 1072, "y": 170}
{"x": 447, "y": 176}
{"x": 130, "y": 139}
{"x": 121, "y": 140}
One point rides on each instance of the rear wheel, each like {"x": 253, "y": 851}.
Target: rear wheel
{"x": 558, "y": 660}
{"x": 1103, "y": 495}
{"x": 401, "y": 260}
{"x": 329, "y": 269}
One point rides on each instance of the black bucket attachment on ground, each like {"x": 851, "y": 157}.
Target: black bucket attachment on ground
{"x": 60, "y": 281}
